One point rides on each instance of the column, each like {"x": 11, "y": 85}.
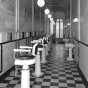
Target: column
{"x": 17, "y": 19}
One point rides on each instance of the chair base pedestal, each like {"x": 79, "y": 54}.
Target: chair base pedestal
{"x": 25, "y": 77}
{"x": 38, "y": 71}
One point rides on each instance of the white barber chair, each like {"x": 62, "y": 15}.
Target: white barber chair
{"x": 43, "y": 59}
{"x": 37, "y": 72}
{"x": 25, "y": 62}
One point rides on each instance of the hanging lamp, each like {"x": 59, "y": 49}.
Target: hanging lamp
{"x": 47, "y": 11}
{"x": 40, "y": 3}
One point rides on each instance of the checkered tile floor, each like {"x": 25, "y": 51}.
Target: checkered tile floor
{"x": 58, "y": 73}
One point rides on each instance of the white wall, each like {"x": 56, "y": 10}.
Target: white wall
{"x": 84, "y": 37}
{"x": 83, "y": 60}
{"x": 75, "y": 14}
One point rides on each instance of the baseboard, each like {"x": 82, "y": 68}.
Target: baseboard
{"x": 83, "y": 77}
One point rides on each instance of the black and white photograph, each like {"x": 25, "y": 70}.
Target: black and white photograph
{"x": 43, "y": 44}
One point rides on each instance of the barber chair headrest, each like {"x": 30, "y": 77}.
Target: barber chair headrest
{"x": 35, "y": 49}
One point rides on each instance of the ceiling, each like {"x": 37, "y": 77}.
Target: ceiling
{"x": 56, "y": 6}
{"x": 59, "y": 5}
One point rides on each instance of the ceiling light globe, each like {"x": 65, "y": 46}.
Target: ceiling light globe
{"x": 47, "y": 11}
{"x": 40, "y": 3}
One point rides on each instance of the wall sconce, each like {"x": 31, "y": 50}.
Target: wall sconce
{"x": 75, "y": 20}
{"x": 40, "y": 3}
{"x": 47, "y": 11}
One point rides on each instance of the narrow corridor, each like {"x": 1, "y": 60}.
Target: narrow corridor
{"x": 58, "y": 73}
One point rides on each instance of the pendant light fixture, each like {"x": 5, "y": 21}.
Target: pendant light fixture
{"x": 47, "y": 11}
{"x": 40, "y": 3}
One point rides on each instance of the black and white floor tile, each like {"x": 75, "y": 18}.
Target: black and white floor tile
{"x": 58, "y": 73}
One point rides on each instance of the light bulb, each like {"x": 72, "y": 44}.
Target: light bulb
{"x": 41, "y": 3}
{"x": 47, "y": 11}
{"x": 49, "y": 16}
{"x": 75, "y": 20}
